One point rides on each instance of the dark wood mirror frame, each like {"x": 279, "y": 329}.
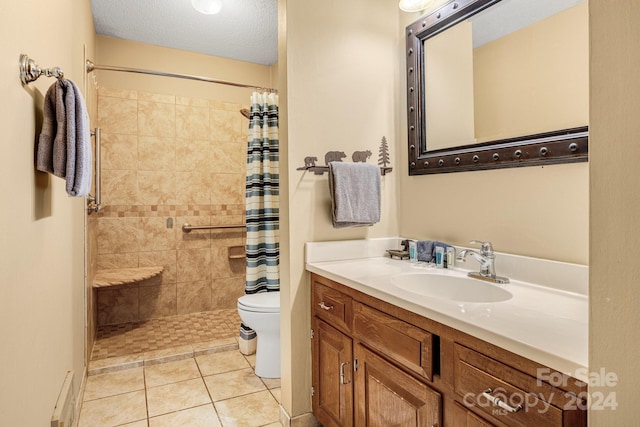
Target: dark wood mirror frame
{"x": 557, "y": 146}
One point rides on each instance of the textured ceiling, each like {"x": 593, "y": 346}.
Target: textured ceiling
{"x": 245, "y": 30}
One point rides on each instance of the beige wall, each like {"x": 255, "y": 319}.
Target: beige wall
{"x": 123, "y": 53}
{"x": 533, "y": 211}
{"x": 341, "y": 70}
{"x": 178, "y": 159}
{"x": 41, "y": 228}
{"x": 534, "y": 80}
{"x": 615, "y": 207}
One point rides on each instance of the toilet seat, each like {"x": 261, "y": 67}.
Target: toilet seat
{"x": 263, "y": 302}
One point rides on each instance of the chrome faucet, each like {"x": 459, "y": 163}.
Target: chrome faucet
{"x": 486, "y": 257}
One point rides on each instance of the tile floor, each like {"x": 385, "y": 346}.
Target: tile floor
{"x": 215, "y": 390}
{"x": 164, "y": 333}
{"x": 176, "y": 371}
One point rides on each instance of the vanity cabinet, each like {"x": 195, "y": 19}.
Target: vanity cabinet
{"x": 376, "y": 364}
{"x": 524, "y": 400}
{"x": 332, "y": 357}
{"x": 462, "y": 417}
{"x": 333, "y": 391}
{"x": 357, "y": 353}
{"x": 385, "y": 395}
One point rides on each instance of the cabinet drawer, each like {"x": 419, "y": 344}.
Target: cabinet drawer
{"x": 533, "y": 402}
{"x": 396, "y": 339}
{"x": 332, "y": 306}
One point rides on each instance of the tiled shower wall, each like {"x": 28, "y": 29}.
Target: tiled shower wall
{"x": 168, "y": 160}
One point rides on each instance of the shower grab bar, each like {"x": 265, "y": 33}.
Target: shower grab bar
{"x": 94, "y": 202}
{"x": 188, "y": 227}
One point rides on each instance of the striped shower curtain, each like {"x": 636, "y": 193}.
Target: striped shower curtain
{"x": 262, "y": 211}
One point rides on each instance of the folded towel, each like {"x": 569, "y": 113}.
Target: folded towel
{"x": 51, "y": 154}
{"x": 426, "y": 249}
{"x": 64, "y": 145}
{"x": 355, "y": 194}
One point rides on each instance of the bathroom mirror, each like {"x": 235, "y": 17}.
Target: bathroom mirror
{"x": 497, "y": 84}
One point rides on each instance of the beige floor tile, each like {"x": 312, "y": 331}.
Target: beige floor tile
{"x": 200, "y": 416}
{"x": 177, "y": 396}
{"x": 215, "y": 346}
{"x": 276, "y": 392}
{"x": 114, "y": 410}
{"x": 218, "y": 363}
{"x": 168, "y": 354}
{"x": 142, "y": 423}
{"x": 271, "y": 382}
{"x": 113, "y": 364}
{"x": 233, "y": 384}
{"x": 171, "y": 372}
{"x": 251, "y": 359}
{"x": 256, "y": 409}
{"x": 110, "y": 384}
{"x": 278, "y": 424}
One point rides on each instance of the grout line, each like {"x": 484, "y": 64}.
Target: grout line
{"x": 213, "y": 404}
{"x": 146, "y": 396}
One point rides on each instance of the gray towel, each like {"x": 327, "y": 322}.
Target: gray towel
{"x": 426, "y": 249}
{"x": 51, "y": 155}
{"x": 355, "y": 194}
{"x": 64, "y": 145}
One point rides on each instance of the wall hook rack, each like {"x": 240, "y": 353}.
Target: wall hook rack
{"x": 357, "y": 156}
{"x": 30, "y": 71}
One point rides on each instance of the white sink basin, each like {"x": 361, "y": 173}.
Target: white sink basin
{"x": 455, "y": 288}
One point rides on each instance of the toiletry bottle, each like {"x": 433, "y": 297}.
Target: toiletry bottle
{"x": 413, "y": 251}
{"x": 439, "y": 257}
{"x": 451, "y": 256}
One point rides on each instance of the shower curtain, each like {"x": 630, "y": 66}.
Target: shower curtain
{"x": 262, "y": 211}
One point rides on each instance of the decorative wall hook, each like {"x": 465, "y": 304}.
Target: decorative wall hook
{"x": 356, "y": 157}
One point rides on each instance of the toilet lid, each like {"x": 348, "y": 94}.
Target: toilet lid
{"x": 265, "y": 302}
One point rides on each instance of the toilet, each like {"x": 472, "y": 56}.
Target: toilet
{"x": 261, "y": 312}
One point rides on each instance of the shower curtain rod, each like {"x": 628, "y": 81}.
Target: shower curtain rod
{"x": 91, "y": 67}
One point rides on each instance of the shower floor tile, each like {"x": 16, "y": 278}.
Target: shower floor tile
{"x": 154, "y": 335}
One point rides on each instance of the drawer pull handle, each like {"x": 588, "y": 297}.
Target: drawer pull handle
{"x": 342, "y": 365}
{"x": 498, "y": 402}
{"x": 325, "y": 306}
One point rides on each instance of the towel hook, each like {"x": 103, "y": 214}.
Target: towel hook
{"x": 30, "y": 71}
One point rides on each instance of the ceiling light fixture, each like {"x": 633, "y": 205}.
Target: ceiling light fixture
{"x": 414, "y": 5}
{"x": 207, "y": 7}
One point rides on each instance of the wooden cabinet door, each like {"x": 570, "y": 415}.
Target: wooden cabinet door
{"x": 387, "y": 396}
{"x": 462, "y": 417}
{"x": 332, "y": 370}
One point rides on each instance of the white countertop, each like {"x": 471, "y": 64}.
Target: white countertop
{"x": 544, "y": 324}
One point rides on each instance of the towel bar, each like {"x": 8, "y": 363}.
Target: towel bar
{"x": 188, "y": 227}
{"x": 319, "y": 170}
{"x": 30, "y": 71}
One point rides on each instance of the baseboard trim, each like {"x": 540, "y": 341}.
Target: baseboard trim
{"x": 303, "y": 420}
